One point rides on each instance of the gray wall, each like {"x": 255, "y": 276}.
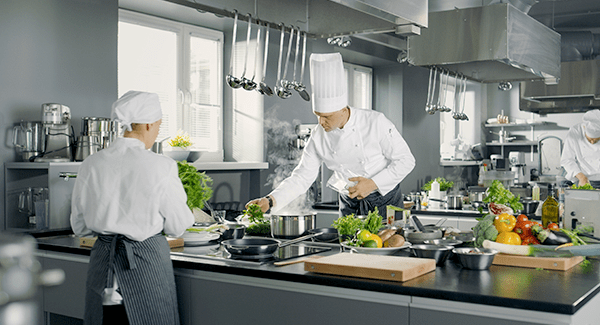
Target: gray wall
{"x": 55, "y": 51}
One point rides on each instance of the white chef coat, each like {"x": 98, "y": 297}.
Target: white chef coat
{"x": 579, "y": 155}
{"x": 126, "y": 189}
{"x": 369, "y": 145}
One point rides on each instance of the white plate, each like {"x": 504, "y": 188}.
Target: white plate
{"x": 376, "y": 251}
{"x": 198, "y": 238}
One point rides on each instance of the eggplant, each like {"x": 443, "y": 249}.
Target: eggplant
{"x": 550, "y": 237}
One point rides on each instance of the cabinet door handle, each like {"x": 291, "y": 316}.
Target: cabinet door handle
{"x": 67, "y": 175}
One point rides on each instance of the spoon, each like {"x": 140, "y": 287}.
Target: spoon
{"x": 251, "y": 85}
{"x": 281, "y": 91}
{"x": 299, "y": 86}
{"x": 232, "y": 81}
{"x": 263, "y": 87}
{"x": 247, "y": 83}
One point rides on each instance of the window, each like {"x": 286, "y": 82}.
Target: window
{"x": 359, "y": 85}
{"x": 183, "y": 65}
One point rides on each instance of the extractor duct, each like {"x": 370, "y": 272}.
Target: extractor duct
{"x": 488, "y": 44}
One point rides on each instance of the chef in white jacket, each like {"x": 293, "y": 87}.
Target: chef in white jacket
{"x": 128, "y": 196}
{"x": 368, "y": 155}
{"x": 581, "y": 151}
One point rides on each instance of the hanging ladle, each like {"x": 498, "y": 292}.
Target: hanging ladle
{"x": 299, "y": 86}
{"x": 280, "y": 89}
{"x": 233, "y": 81}
{"x": 247, "y": 83}
{"x": 430, "y": 107}
{"x": 263, "y": 87}
{"x": 251, "y": 85}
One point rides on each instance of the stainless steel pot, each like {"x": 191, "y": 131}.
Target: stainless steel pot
{"x": 289, "y": 226}
{"x": 454, "y": 201}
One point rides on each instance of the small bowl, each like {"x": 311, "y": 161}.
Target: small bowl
{"x": 233, "y": 231}
{"x": 438, "y": 252}
{"x": 443, "y": 242}
{"x": 417, "y": 237}
{"x": 475, "y": 258}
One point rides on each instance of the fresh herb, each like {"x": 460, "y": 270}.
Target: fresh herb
{"x": 444, "y": 184}
{"x": 587, "y": 186}
{"x": 348, "y": 225}
{"x": 573, "y": 234}
{"x": 181, "y": 140}
{"x": 260, "y": 226}
{"x": 197, "y": 185}
{"x": 586, "y": 266}
{"x": 373, "y": 222}
{"x": 496, "y": 193}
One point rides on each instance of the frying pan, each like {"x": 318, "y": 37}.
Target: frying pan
{"x": 327, "y": 235}
{"x": 259, "y": 246}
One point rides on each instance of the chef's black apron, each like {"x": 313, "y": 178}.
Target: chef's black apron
{"x": 144, "y": 275}
{"x": 375, "y": 199}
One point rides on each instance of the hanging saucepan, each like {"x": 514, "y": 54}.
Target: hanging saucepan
{"x": 259, "y": 247}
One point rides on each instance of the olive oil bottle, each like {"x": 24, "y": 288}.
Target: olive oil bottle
{"x": 550, "y": 208}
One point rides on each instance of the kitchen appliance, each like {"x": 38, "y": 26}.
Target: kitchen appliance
{"x": 105, "y": 129}
{"x": 498, "y": 162}
{"x": 34, "y": 202}
{"x": 86, "y": 146}
{"x": 581, "y": 209}
{"x": 58, "y": 135}
{"x": 28, "y": 139}
{"x": 516, "y": 161}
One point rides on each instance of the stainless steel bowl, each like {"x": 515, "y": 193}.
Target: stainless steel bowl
{"x": 417, "y": 237}
{"x": 443, "y": 242}
{"x": 438, "y": 252}
{"x": 475, "y": 258}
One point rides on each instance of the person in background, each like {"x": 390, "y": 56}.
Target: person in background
{"x": 363, "y": 148}
{"x": 581, "y": 151}
{"x": 128, "y": 196}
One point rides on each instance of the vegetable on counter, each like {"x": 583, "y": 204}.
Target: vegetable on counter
{"x": 347, "y": 225}
{"x": 509, "y": 238}
{"x": 367, "y": 233}
{"x": 505, "y": 222}
{"x": 496, "y": 193}
{"x": 259, "y": 225}
{"x": 197, "y": 185}
{"x": 587, "y": 186}
{"x": 485, "y": 230}
{"x": 550, "y": 237}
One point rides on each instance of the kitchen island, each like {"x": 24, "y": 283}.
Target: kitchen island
{"x": 212, "y": 291}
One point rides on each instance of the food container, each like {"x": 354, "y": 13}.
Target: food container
{"x": 233, "y": 231}
{"x": 529, "y": 206}
{"x": 289, "y": 226}
{"x": 373, "y": 250}
{"x": 438, "y": 252}
{"x": 418, "y": 237}
{"x": 454, "y": 202}
{"x": 475, "y": 258}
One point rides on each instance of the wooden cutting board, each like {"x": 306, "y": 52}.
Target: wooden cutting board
{"x": 548, "y": 263}
{"x": 393, "y": 268}
{"x": 89, "y": 241}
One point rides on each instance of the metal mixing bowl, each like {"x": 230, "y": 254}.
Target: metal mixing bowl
{"x": 475, "y": 258}
{"x": 438, "y": 252}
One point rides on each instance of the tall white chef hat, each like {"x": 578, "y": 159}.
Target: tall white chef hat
{"x": 591, "y": 121}
{"x": 328, "y": 82}
{"x": 136, "y": 107}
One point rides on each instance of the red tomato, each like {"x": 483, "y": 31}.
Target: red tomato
{"x": 553, "y": 226}
{"x": 522, "y": 218}
{"x": 530, "y": 240}
{"x": 523, "y": 228}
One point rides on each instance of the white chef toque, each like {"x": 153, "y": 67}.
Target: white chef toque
{"x": 591, "y": 121}
{"x": 136, "y": 107}
{"x": 328, "y": 82}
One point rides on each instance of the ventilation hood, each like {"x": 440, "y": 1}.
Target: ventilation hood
{"x": 489, "y": 44}
{"x": 577, "y": 91}
{"x": 326, "y": 18}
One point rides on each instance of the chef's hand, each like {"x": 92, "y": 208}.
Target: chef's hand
{"x": 362, "y": 189}
{"x": 582, "y": 179}
{"x": 263, "y": 203}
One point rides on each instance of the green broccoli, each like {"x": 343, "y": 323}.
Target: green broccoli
{"x": 485, "y": 229}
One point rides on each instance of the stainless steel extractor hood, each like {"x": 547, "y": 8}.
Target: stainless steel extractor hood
{"x": 493, "y": 43}
{"x": 326, "y": 18}
{"x": 577, "y": 91}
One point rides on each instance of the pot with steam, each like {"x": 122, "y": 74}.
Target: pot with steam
{"x": 288, "y": 225}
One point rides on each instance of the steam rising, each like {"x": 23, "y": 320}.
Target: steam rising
{"x": 281, "y": 136}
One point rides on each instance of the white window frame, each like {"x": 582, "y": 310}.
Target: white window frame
{"x": 350, "y": 70}
{"x": 184, "y": 30}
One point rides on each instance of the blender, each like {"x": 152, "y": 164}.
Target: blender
{"x": 56, "y": 119}
{"x": 516, "y": 160}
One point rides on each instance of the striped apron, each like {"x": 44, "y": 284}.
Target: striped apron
{"x": 145, "y": 276}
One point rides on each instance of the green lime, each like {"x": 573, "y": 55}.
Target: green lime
{"x": 370, "y": 243}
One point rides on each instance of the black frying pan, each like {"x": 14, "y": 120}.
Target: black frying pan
{"x": 259, "y": 246}
{"x": 327, "y": 235}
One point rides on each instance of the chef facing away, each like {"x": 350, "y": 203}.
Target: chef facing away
{"x": 581, "y": 151}
{"x": 128, "y": 196}
{"x": 368, "y": 156}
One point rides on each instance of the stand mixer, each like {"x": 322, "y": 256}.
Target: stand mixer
{"x": 56, "y": 119}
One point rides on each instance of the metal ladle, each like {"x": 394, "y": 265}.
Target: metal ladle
{"x": 299, "y": 86}
{"x": 233, "y": 81}
{"x": 263, "y": 88}
{"x": 429, "y": 108}
{"x": 247, "y": 83}
{"x": 251, "y": 85}
{"x": 280, "y": 89}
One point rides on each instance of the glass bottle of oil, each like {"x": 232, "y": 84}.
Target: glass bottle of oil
{"x": 550, "y": 208}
